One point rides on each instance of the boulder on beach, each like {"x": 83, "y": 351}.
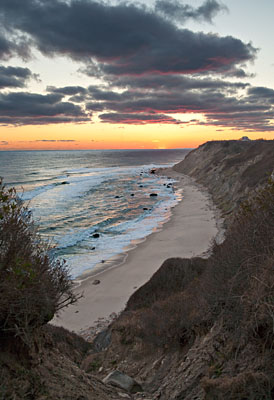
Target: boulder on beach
{"x": 96, "y": 282}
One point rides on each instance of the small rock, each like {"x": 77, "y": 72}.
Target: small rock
{"x": 117, "y": 197}
{"x": 141, "y": 186}
{"x": 123, "y": 381}
{"x": 153, "y": 194}
{"x": 102, "y": 341}
{"x": 124, "y": 395}
{"x": 96, "y": 282}
{"x": 152, "y": 171}
{"x": 64, "y": 183}
{"x": 132, "y": 194}
{"x": 93, "y": 248}
{"x": 102, "y": 261}
{"x": 96, "y": 235}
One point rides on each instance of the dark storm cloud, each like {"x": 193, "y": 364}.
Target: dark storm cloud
{"x": 180, "y": 12}
{"x": 137, "y": 119}
{"x": 124, "y": 39}
{"x": 12, "y": 77}
{"x": 30, "y": 108}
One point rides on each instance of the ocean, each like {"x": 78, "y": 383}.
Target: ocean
{"x": 92, "y": 205}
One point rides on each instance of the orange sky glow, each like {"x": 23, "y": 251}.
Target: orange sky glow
{"x": 109, "y": 136}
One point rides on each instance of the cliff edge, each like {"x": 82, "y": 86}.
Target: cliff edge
{"x": 230, "y": 169}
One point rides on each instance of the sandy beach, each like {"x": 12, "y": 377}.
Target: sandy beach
{"x": 188, "y": 233}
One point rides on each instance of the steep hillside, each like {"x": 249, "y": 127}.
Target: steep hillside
{"x": 203, "y": 328}
{"x": 230, "y": 169}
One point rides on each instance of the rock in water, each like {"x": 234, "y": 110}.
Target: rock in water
{"x": 123, "y": 381}
{"x": 153, "y": 194}
{"x": 96, "y": 235}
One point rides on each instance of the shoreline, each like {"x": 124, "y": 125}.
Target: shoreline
{"x": 187, "y": 233}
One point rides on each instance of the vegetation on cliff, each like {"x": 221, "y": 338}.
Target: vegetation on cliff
{"x": 33, "y": 287}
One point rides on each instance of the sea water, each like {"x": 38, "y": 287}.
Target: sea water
{"x": 76, "y": 194}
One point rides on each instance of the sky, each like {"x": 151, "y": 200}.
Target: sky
{"x": 84, "y": 74}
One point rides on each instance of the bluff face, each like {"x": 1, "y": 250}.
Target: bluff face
{"x": 230, "y": 169}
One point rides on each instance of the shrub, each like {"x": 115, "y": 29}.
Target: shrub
{"x": 33, "y": 287}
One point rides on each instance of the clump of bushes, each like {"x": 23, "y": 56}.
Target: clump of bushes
{"x": 33, "y": 286}
{"x": 240, "y": 279}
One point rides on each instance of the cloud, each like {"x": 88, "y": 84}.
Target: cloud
{"x": 5, "y": 47}
{"x": 22, "y": 108}
{"x": 180, "y": 12}
{"x": 67, "y": 90}
{"x": 171, "y": 82}
{"x": 137, "y": 119}
{"x": 14, "y": 77}
{"x": 3, "y": 143}
{"x": 152, "y": 70}
{"x": 223, "y": 103}
{"x": 52, "y": 140}
{"x": 17, "y": 44}
{"x": 260, "y": 92}
{"x": 122, "y": 39}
